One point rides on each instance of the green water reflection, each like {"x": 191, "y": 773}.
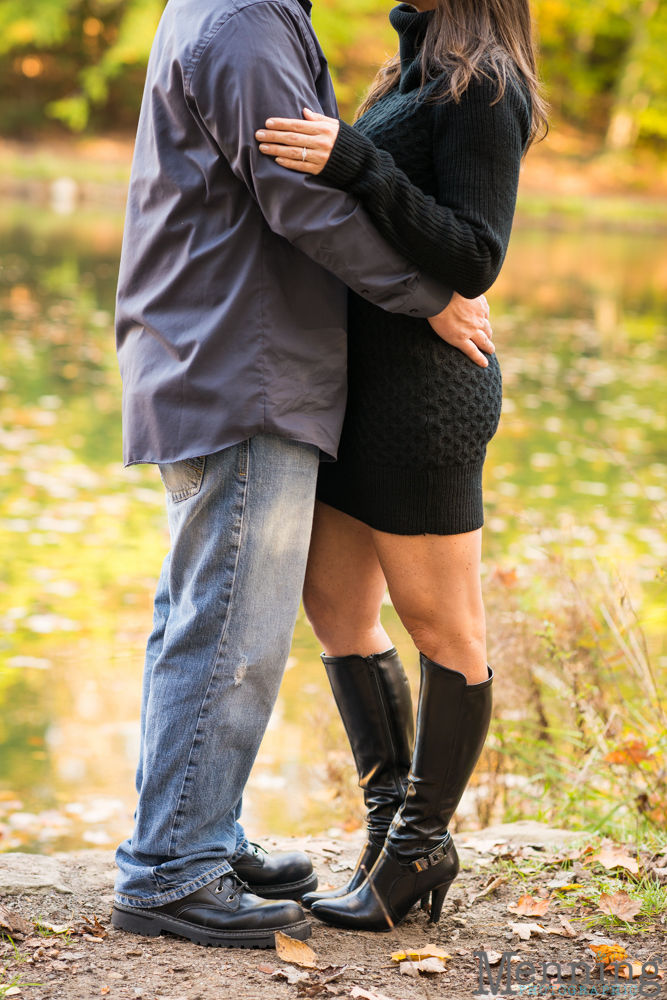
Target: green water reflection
{"x": 580, "y": 460}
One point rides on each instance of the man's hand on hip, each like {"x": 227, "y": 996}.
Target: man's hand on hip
{"x": 465, "y": 324}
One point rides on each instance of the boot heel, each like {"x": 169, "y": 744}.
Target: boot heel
{"x": 136, "y": 923}
{"x": 426, "y": 902}
{"x": 438, "y": 898}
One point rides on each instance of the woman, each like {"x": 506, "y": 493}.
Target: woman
{"x": 435, "y": 157}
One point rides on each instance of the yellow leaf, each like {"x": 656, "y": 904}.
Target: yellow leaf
{"x": 416, "y": 955}
{"x": 568, "y": 888}
{"x": 296, "y": 952}
{"x": 609, "y": 952}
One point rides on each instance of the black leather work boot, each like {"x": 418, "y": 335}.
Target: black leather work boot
{"x": 276, "y": 875}
{"x": 222, "y": 914}
{"x": 373, "y": 697}
{"x": 419, "y": 858}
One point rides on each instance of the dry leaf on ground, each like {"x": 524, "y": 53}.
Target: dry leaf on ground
{"x": 13, "y": 991}
{"x": 416, "y": 954}
{"x": 291, "y": 974}
{"x": 568, "y": 929}
{"x": 296, "y": 952}
{"x": 424, "y": 965}
{"x": 493, "y": 957}
{"x": 357, "y": 991}
{"x": 619, "y": 905}
{"x": 93, "y": 927}
{"x": 624, "y": 972}
{"x": 609, "y": 952}
{"x": 616, "y": 857}
{"x": 529, "y": 906}
{"x": 13, "y": 923}
{"x": 491, "y": 887}
{"x": 525, "y": 930}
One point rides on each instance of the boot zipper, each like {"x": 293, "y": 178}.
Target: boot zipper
{"x": 374, "y": 671}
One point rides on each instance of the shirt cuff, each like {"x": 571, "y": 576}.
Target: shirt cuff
{"x": 429, "y": 298}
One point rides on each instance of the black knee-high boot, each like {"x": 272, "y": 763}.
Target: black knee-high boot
{"x": 419, "y": 857}
{"x": 373, "y": 697}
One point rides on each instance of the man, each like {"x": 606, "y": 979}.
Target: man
{"x": 231, "y": 340}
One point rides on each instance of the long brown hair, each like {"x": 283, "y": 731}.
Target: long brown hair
{"x": 468, "y": 39}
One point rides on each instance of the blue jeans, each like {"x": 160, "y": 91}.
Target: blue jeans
{"x": 225, "y": 609}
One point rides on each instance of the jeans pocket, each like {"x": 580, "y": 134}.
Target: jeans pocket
{"x": 183, "y": 479}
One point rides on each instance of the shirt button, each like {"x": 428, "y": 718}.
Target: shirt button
{"x": 364, "y": 291}
{"x": 414, "y": 310}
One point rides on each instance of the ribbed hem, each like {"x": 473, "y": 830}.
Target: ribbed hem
{"x": 443, "y": 501}
{"x": 347, "y": 159}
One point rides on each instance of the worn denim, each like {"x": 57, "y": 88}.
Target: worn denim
{"x": 225, "y": 610}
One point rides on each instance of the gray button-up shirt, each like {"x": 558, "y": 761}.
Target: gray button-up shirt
{"x": 231, "y": 309}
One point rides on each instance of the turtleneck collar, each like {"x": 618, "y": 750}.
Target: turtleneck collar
{"x": 410, "y": 25}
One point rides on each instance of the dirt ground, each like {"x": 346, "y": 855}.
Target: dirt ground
{"x": 87, "y": 962}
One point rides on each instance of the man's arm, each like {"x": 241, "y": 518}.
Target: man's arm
{"x": 259, "y": 64}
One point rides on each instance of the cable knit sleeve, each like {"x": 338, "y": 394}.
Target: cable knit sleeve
{"x": 461, "y": 236}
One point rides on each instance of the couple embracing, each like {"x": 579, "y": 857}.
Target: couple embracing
{"x": 306, "y": 354}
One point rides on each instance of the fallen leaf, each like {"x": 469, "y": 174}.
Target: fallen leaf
{"x": 525, "y": 930}
{"x": 493, "y": 957}
{"x": 357, "y": 991}
{"x": 13, "y": 923}
{"x": 491, "y": 887}
{"x": 94, "y": 927}
{"x": 13, "y": 991}
{"x": 609, "y": 952}
{"x": 616, "y": 857}
{"x": 624, "y": 971}
{"x": 56, "y": 928}
{"x": 424, "y": 965}
{"x": 620, "y": 905}
{"x": 428, "y": 951}
{"x": 630, "y": 752}
{"x": 568, "y": 929}
{"x": 298, "y": 952}
{"x": 291, "y": 974}
{"x": 330, "y": 973}
{"x": 104, "y": 990}
{"x": 529, "y": 906}
{"x": 570, "y": 887}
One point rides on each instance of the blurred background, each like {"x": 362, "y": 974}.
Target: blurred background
{"x": 575, "y": 544}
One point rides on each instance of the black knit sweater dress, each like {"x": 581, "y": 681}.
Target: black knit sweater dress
{"x": 439, "y": 180}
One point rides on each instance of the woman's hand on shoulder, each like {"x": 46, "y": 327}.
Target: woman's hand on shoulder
{"x": 465, "y": 324}
{"x": 299, "y": 145}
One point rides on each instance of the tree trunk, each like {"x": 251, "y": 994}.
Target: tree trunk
{"x": 631, "y": 100}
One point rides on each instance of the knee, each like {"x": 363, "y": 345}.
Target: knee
{"x": 434, "y": 638}
{"x": 339, "y": 627}
{"x": 320, "y": 612}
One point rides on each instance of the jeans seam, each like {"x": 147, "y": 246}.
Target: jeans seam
{"x": 178, "y": 810}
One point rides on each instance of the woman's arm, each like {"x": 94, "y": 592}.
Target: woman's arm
{"x": 460, "y": 237}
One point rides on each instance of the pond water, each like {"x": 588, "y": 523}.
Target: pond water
{"x": 580, "y": 460}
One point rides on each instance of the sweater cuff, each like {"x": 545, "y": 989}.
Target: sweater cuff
{"x": 348, "y": 158}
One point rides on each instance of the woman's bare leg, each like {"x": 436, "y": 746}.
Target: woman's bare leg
{"x": 344, "y": 586}
{"x": 434, "y": 583}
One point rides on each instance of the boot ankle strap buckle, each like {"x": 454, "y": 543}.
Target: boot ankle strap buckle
{"x": 438, "y": 855}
